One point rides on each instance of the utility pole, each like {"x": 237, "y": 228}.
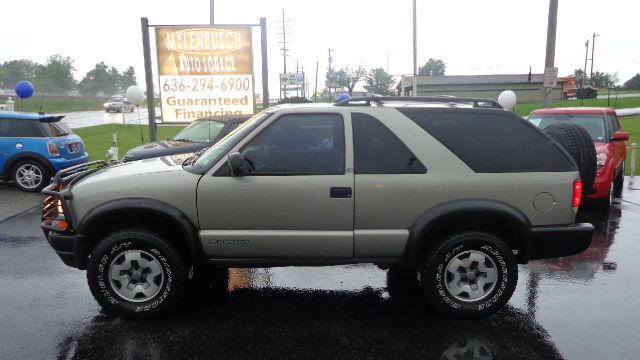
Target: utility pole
{"x": 330, "y": 70}
{"x": 284, "y": 49}
{"x": 551, "y": 47}
{"x": 415, "y": 52}
{"x": 593, "y": 49}
{"x": 211, "y": 12}
{"x": 151, "y": 99}
{"x": 586, "y": 56}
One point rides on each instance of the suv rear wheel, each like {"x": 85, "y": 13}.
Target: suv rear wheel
{"x": 135, "y": 274}
{"x": 469, "y": 275}
{"x": 30, "y": 175}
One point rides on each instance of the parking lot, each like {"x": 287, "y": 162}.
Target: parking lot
{"x": 575, "y": 308}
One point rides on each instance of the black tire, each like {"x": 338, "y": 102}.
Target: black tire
{"x": 577, "y": 142}
{"x": 437, "y": 277}
{"x": 161, "y": 261}
{"x": 30, "y": 175}
{"x": 618, "y": 182}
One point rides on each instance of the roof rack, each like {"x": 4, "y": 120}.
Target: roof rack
{"x": 381, "y": 100}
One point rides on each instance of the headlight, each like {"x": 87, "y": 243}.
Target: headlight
{"x": 602, "y": 159}
{"x": 106, "y": 104}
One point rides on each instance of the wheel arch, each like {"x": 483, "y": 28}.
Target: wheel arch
{"x": 21, "y": 156}
{"x": 447, "y": 218}
{"x": 142, "y": 213}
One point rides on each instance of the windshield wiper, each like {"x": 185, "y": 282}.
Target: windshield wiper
{"x": 193, "y": 158}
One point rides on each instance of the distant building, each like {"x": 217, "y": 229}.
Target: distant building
{"x": 527, "y": 89}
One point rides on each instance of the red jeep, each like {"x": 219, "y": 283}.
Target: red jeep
{"x": 605, "y": 130}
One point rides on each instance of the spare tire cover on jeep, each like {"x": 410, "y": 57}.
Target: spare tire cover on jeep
{"x": 577, "y": 141}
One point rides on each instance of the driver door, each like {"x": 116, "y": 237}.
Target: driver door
{"x": 294, "y": 200}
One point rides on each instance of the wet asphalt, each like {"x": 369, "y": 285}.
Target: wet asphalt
{"x": 580, "y": 307}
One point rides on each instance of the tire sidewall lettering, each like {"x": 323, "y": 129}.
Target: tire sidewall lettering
{"x": 498, "y": 291}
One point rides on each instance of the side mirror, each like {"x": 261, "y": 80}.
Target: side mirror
{"x": 620, "y": 136}
{"x": 235, "y": 163}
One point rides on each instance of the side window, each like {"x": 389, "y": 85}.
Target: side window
{"x": 491, "y": 141}
{"x": 298, "y": 145}
{"x": 378, "y": 151}
{"x": 20, "y": 128}
{"x": 610, "y": 126}
{"x": 614, "y": 123}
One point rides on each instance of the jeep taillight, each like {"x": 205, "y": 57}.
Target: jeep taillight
{"x": 53, "y": 149}
{"x": 577, "y": 193}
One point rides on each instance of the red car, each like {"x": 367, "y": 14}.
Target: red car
{"x": 605, "y": 130}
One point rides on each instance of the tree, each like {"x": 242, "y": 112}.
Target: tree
{"x": 633, "y": 83}
{"x": 99, "y": 79}
{"x": 11, "y": 72}
{"x": 56, "y": 75}
{"x": 127, "y": 78}
{"x": 353, "y": 76}
{"x": 336, "y": 79}
{"x": 602, "y": 80}
{"x": 579, "y": 74}
{"x": 433, "y": 67}
{"x": 379, "y": 82}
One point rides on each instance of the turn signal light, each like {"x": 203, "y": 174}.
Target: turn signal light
{"x": 53, "y": 149}
{"x": 577, "y": 193}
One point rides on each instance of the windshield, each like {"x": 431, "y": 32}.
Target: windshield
{"x": 200, "y": 131}
{"x": 593, "y": 123}
{"x": 213, "y": 154}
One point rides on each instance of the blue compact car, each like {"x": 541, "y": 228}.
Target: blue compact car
{"x": 33, "y": 147}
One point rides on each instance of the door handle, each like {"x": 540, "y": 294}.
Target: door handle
{"x": 340, "y": 192}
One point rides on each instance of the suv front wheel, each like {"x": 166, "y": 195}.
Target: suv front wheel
{"x": 469, "y": 275}
{"x": 135, "y": 274}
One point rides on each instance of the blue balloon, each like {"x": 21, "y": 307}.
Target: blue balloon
{"x": 24, "y": 89}
{"x": 342, "y": 97}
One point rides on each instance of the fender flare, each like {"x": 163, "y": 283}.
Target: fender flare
{"x": 430, "y": 219}
{"x": 162, "y": 210}
{"x": 27, "y": 155}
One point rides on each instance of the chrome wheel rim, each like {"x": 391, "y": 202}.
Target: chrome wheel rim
{"x": 29, "y": 176}
{"x": 471, "y": 276}
{"x": 136, "y": 275}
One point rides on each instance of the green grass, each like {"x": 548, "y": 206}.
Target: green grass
{"x": 631, "y": 124}
{"x": 621, "y": 103}
{"x": 57, "y": 104}
{"x": 97, "y": 139}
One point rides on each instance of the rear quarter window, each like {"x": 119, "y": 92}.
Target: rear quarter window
{"x": 20, "y": 128}
{"x": 492, "y": 141}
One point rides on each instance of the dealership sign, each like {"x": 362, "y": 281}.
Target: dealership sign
{"x": 204, "y": 71}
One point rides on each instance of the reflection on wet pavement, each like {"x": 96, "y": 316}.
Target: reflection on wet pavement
{"x": 577, "y": 307}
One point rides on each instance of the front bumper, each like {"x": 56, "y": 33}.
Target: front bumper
{"x": 66, "y": 246}
{"x": 546, "y": 242}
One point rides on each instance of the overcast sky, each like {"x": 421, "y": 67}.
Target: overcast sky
{"x": 470, "y": 36}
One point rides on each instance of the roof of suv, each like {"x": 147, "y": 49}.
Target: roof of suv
{"x": 404, "y": 101}
{"x": 29, "y": 116}
{"x": 575, "y": 110}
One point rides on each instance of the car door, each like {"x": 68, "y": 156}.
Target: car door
{"x": 295, "y": 198}
{"x": 617, "y": 148}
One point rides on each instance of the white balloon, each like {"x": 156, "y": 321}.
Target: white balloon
{"x": 135, "y": 94}
{"x": 507, "y": 99}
